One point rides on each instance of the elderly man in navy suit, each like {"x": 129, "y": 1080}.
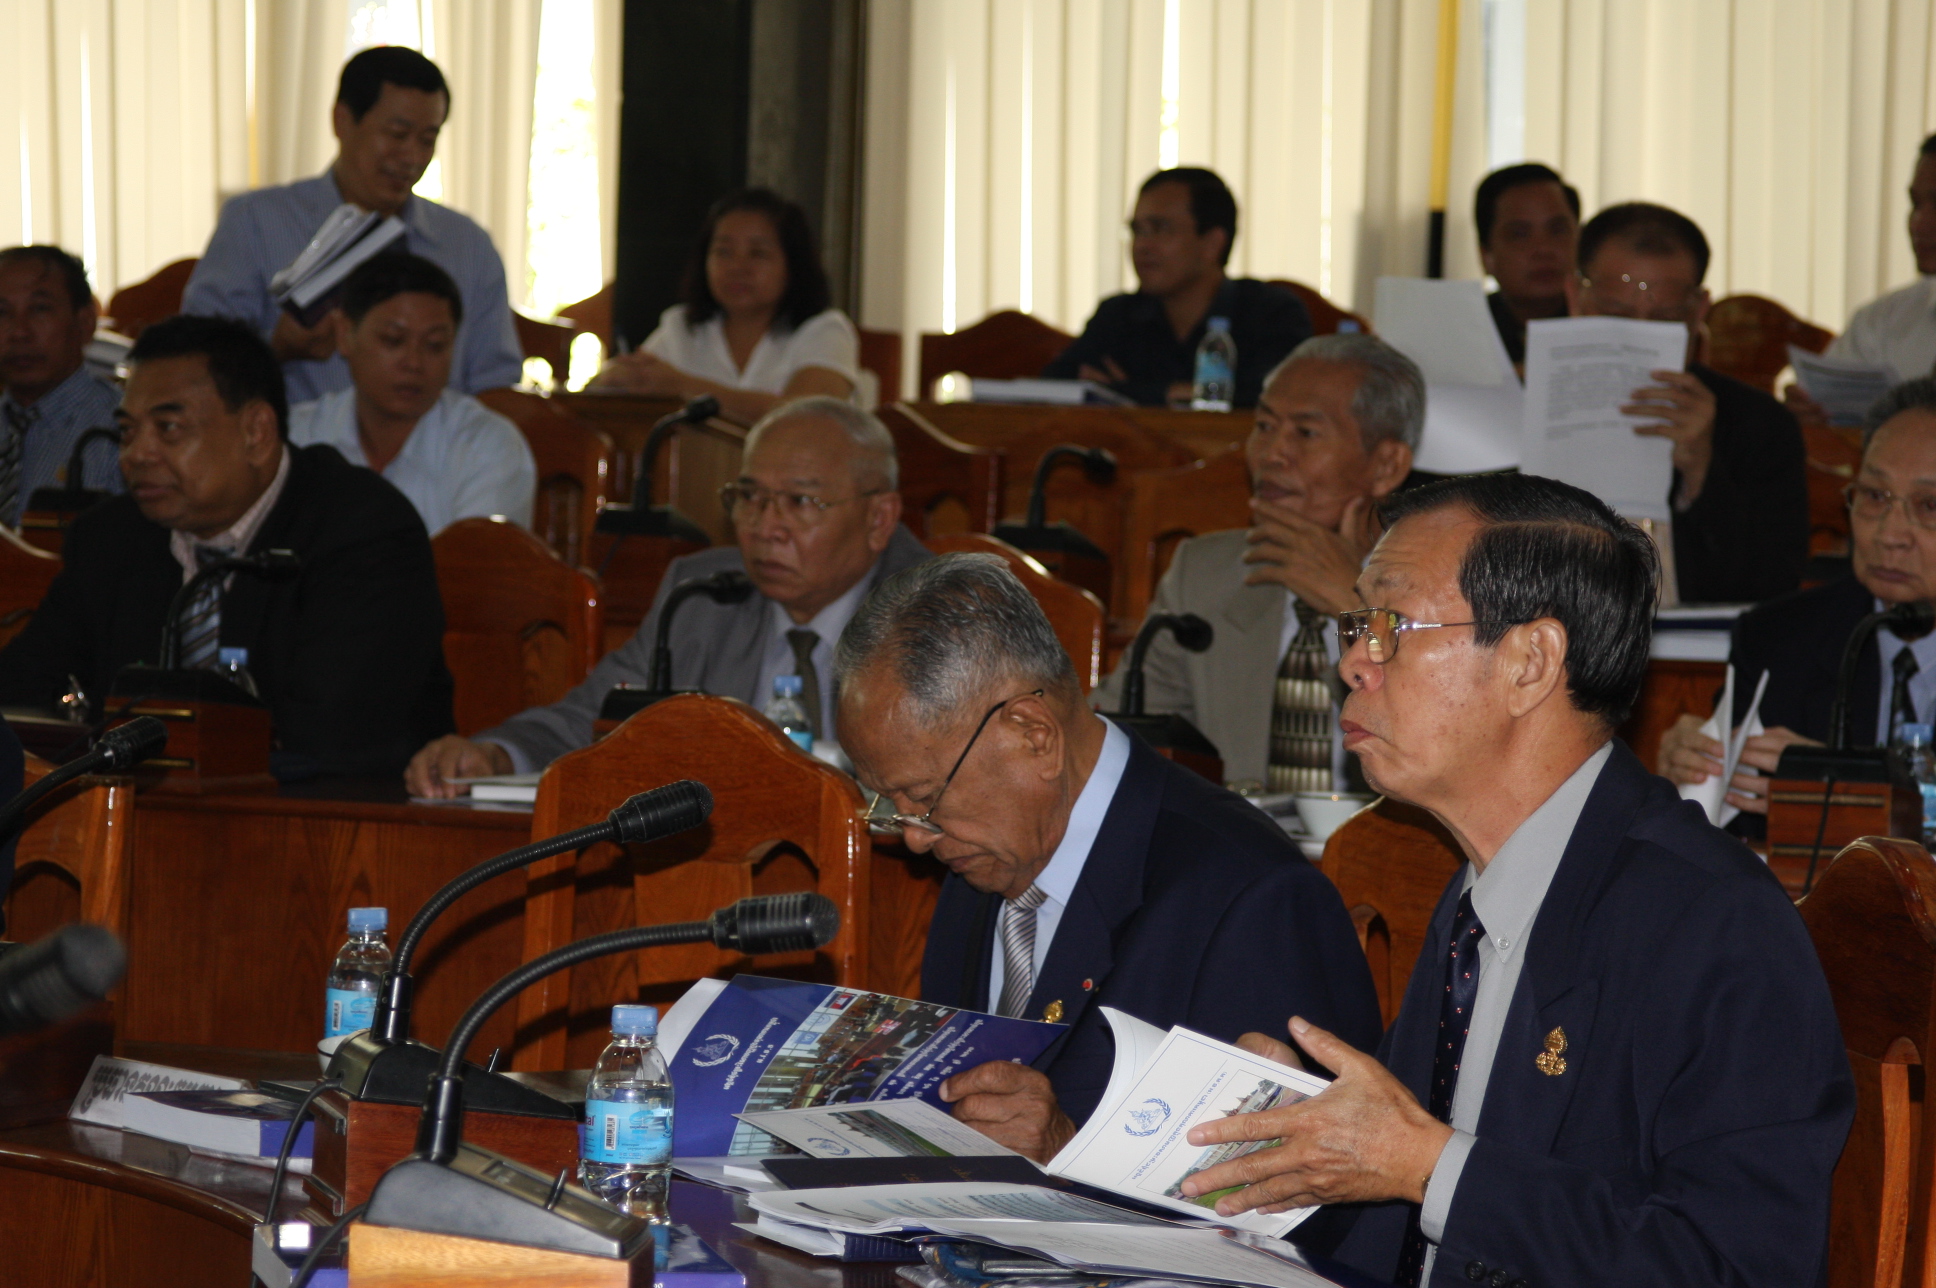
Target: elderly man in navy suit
{"x": 1617, "y": 1061}
{"x": 1086, "y": 870}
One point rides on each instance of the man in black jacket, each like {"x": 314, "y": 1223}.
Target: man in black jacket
{"x": 1740, "y": 491}
{"x": 347, "y": 653}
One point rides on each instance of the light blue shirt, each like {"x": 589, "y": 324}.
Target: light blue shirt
{"x": 1922, "y": 685}
{"x": 462, "y": 460}
{"x": 1058, "y": 879}
{"x": 261, "y": 231}
{"x": 55, "y": 422}
{"x": 779, "y": 660}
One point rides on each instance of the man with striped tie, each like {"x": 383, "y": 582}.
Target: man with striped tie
{"x": 1085, "y": 870}
{"x": 347, "y": 653}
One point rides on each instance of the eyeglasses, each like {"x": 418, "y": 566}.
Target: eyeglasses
{"x": 745, "y": 502}
{"x": 880, "y": 811}
{"x": 1872, "y": 504}
{"x": 1381, "y": 627}
{"x": 1652, "y": 305}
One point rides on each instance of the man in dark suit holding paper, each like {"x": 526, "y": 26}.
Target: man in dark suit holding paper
{"x": 1617, "y": 1061}
{"x": 1086, "y": 870}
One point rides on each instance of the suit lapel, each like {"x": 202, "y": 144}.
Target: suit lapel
{"x": 1250, "y": 627}
{"x": 1407, "y": 1048}
{"x": 245, "y": 606}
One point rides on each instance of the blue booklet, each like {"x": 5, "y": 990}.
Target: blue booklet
{"x": 248, "y": 1124}
{"x": 751, "y": 1044}
{"x": 684, "y": 1260}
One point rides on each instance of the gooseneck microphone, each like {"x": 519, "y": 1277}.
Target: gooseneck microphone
{"x": 119, "y": 748}
{"x": 46, "y": 981}
{"x": 1035, "y": 532}
{"x": 726, "y": 587}
{"x": 642, "y": 518}
{"x": 73, "y": 495}
{"x": 1909, "y": 621}
{"x": 1190, "y": 632}
{"x": 269, "y": 563}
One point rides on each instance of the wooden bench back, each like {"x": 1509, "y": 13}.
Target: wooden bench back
{"x": 133, "y": 309}
{"x": 1748, "y": 338}
{"x": 1167, "y": 507}
{"x": 574, "y": 469}
{"x": 71, "y": 862}
{"x": 948, "y": 487}
{"x": 1326, "y": 317}
{"x": 25, "y": 574}
{"x": 1390, "y": 863}
{"x": 1005, "y": 345}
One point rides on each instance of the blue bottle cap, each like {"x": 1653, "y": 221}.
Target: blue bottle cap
{"x": 1918, "y": 733}
{"x": 635, "y": 1021}
{"x": 788, "y": 686}
{"x": 1218, "y": 324}
{"x": 369, "y": 918}
{"x": 234, "y": 655}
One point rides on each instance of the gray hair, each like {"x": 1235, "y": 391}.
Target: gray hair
{"x": 878, "y": 462}
{"x": 1390, "y": 402}
{"x": 952, "y": 629}
{"x": 1911, "y": 395}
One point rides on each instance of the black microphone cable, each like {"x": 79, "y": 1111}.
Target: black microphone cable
{"x": 307, "y": 1270}
{"x": 289, "y": 1145}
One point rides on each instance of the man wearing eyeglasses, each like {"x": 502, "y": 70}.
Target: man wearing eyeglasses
{"x": 1798, "y": 639}
{"x": 1085, "y": 870}
{"x": 1740, "y": 492}
{"x": 817, "y": 519}
{"x": 1617, "y": 1061}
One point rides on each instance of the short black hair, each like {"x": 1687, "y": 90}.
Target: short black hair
{"x": 240, "y": 362}
{"x": 1928, "y": 148}
{"x": 807, "y": 292}
{"x": 1485, "y": 205}
{"x": 365, "y": 75}
{"x": 1653, "y": 230}
{"x": 1549, "y": 549}
{"x": 72, "y": 272}
{"x": 1917, "y": 394}
{"x": 1211, "y": 204}
{"x": 394, "y": 273}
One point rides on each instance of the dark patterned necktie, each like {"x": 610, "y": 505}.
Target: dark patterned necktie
{"x": 1902, "y": 707}
{"x": 803, "y": 641}
{"x": 1455, "y": 1021}
{"x": 201, "y": 626}
{"x": 13, "y": 451}
{"x": 1301, "y": 707}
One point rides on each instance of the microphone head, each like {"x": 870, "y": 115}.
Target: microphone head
{"x": 66, "y": 972}
{"x": 663, "y": 811}
{"x": 704, "y": 407}
{"x": 1912, "y": 620}
{"x": 1099, "y": 465}
{"x": 1192, "y": 632}
{"x": 729, "y": 587}
{"x": 776, "y": 923}
{"x": 127, "y": 745}
{"x": 278, "y": 563}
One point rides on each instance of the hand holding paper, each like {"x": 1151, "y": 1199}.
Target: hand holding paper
{"x": 1713, "y": 793}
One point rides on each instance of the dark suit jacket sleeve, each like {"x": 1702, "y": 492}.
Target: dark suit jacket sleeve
{"x": 1745, "y": 538}
{"x": 1092, "y": 347}
{"x": 1739, "y": 1050}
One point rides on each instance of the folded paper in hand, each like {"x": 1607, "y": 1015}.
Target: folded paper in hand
{"x": 1712, "y": 794}
{"x": 311, "y": 284}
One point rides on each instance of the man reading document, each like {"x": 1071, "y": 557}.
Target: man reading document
{"x": 1617, "y": 1061}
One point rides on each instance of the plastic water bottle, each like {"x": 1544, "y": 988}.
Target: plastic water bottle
{"x": 350, "y": 1000}
{"x": 789, "y": 712}
{"x": 1913, "y": 744}
{"x": 1216, "y": 382}
{"x": 232, "y": 664}
{"x": 625, "y": 1145}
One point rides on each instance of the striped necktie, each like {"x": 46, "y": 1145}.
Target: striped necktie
{"x": 13, "y": 450}
{"x": 201, "y": 627}
{"x": 1018, "y": 951}
{"x": 1301, "y": 711}
{"x": 1902, "y": 705}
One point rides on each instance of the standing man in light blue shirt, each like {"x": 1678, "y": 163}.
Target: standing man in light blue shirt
{"x": 390, "y": 106}
{"x": 47, "y": 316}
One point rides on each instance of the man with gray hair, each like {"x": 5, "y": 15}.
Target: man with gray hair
{"x": 1085, "y": 870}
{"x": 817, "y": 516}
{"x": 1336, "y": 428}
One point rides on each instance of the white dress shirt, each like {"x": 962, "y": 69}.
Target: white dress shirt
{"x": 1058, "y": 879}
{"x": 779, "y": 660}
{"x": 1922, "y": 685}
{"x": 826, "y": 340}
{"x": 236, "y": 538}
{"x": 462, "y": 460}
{"x": 1897, "y": 330}
{"x": 1506, "y": 897}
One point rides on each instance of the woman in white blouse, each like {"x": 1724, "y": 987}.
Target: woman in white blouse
{"x": 755, "y": 330}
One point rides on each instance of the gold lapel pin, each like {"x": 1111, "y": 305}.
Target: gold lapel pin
{"x": 1552, "y": 1061}
{"x": 1052, "y": 1013}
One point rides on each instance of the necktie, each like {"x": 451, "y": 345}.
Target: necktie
{"x": 13, "y": 448}
{"x": 1018, "y": 951}
{"x": 1455, "y": 1021}
{"x": 1300, "y": 741}
{"x": 803, "y": 641}
{"x": 201, "y": 627}
{"x": 1902, "y": 707}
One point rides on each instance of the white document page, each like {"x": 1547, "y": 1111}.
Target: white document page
{"x": 1842, "y": 387}
{"x": 1147, "y": 1251}
{"x": 1473, "y": 400}
{"x": 876, "y": 1129}
{"x": 1712, "y": 795}
{"x": 676, "y": 1024}
{"x": 883, "y": 1209}
{"x": 1138, "y": 1145}
{"x": 1579, "y": 373}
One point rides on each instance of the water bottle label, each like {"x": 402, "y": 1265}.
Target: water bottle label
{"x": 620, "y": 1131}
{"x": 1929, "y": 807}
{"x": 803, "y": 738}
{"x": 345, "y": 1011}
{"x": 1213, "y": 372}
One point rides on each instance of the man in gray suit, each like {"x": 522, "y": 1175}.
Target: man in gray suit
{"x": 817, "y": 517}
{"x": 1336, "y": 428}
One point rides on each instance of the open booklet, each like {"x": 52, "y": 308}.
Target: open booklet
{"x": 1841, "y": 388}
{"x": 1135, "y": 1144}
{"x": 310, "y": 284}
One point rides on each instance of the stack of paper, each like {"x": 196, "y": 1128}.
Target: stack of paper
{"x": 308, "y": 287}
{"x": 1472, "y": 396}
{"x": 1843, "y": 389}
{"x": 1062, "y": 393}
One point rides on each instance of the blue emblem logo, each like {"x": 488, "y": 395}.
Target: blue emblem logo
{"x": 833, "y": 1148}
{"x": 1147, "y": 1118}
{"x": 718, "y": 1048}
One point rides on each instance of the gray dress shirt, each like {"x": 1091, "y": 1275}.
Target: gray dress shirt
{"x": 1507, "y": 897}
{"x": 55, "y": 422}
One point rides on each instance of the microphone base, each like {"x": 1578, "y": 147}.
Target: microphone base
{"x": 400, "y": 1073}
{"x": 653, "y": 521}
{"x": 218, "y": 734}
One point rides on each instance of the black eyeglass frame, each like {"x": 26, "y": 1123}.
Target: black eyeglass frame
{"x": 888, "y": 824}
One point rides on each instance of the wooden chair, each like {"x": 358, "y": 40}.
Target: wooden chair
{"x": 1325, "y": 316}
{"x": 71, "y": 863}
{"x": 1834, "y": 454}
{"x": 1390, "y": 862}
{"x": 1748, "y": 338}
{"x": 1076, "y": 616}
{"x": 25, "y": 574}
{"x": 574, "y": 469}
{"x": 548, "y": 342}
{"x": 133, "y": 309}
{"x": 1872, "y": 916}
{"x": 948, "y": 487}
{"x": 594, "y": 314}
{"x": 782, "y": 822}
{"x": 1164, "y": 509}
{"x": 880, "y": 353}
{"x": 1002, "y": 346}
{"x": 521, "y": 626}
